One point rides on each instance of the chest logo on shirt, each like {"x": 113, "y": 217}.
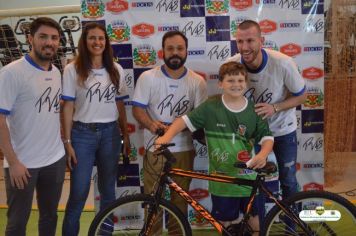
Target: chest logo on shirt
{"x": 50, "y": 100}
{"x": 264, "y": 97}
{"x": 241, "y": 130}
{"x": 179, "y": 108}
{"x": 107, "y": 94}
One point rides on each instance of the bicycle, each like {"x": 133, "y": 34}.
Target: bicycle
{"x": 301, "y": 214}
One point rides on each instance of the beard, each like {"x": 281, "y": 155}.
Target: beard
{"x": 43, "y": 56}
{"x": 174, "y": 62}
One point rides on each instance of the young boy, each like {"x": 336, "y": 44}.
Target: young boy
{"x": 231, "y": 128}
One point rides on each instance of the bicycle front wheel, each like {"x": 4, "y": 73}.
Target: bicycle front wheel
{"x": 127, "y": 216}
{"x": 320, "y": 213}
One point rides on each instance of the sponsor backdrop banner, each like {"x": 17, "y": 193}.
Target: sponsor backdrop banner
{"x": 293, "y": 27}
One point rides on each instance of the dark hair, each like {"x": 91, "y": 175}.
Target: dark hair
{"x": 38, "y": 22}
{"x": 83, "y": 60}
{"x": 173, "y": 33}
{"x": 246, "y": 24}
{"x": 232, "y": 68}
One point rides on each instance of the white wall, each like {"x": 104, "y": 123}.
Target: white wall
{"x": 13, "y": 4}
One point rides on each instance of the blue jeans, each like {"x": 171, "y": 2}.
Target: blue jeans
{"x": 285, "y": 149}
{"x": 98, "y": 143}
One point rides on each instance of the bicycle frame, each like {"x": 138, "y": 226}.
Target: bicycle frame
{"x": 255, "y": 184}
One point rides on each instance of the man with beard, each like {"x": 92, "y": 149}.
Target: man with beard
{"x": 276, "y": 87}
{"x": 162, "y": 94}
{"x": 30, "y": 91}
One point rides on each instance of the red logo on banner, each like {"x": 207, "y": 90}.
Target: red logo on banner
{"x": 312, "y": 186}
{"x": 243, "y": 156}
{"x": 131, "y": 128}
{"x": 312, "y": 73}
{"x": 291, "y": 49}
{"x": 241, "y": 4}
{"x": 141, "y": 151}
{"x": 297, "y": 165}
{"x": 202, "y": 74}
{"x": 143, "y": 30}
{"x": 199, "y": 193}
{"x": 117, "y": 6}
{"x": 160, "y": 54}
{"x": 268, "y": 26}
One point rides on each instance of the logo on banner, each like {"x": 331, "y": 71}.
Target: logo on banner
{"x": 194, "y": 29}
{"x": 167, "y": 27}
{"x": 268, "y": 26}
{"x": 144, "y": 55}
{"x": 117, "y": 6}
{"x": 196, "y": 53}
{"x": 313, "y": 73}
{"x": 313, "y": 165}
{"x": 241, "y": 5}
{"x": 123, "y": 55}
{"x": 313, "y": 121}
{"x": 312, "y": 7}
{"x": 312, "y": 186}
{"x": 315, "y": 98}
{"x": 92, "y": 8}
{"x": 313, "y": 49}
{"x": 266, "y": 3}
{"x": 187, "y": 9}
{"x": 118, "y": 31}
{"x": 199, "y": 193}
{"x": 270, "y": 45}
{"x": 313, "y": 144}
{"x": 129, "y": 80}
{"x": 217, "y": 6}
{"x": 217, "y": 28}
{"x": 314, "y": 25}
{"x": 143, "y": 30}
{"x": 170, "y": 6}
{"x": 289, "y": 4}
{"x": 202, "y": 74}
{"x": 131, "y": 128}
{"x": 290, "y": 26}
{"x": 291, "y": 49}
{"x": 142, "y": 5}
{"x": 217, "y": 52}
{"x": 214, "y": 76}
{"x": 234, "y": 23}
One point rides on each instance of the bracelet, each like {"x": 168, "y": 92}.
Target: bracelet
{"x": 276, "y": 108}
{"x": 67, "y": 141}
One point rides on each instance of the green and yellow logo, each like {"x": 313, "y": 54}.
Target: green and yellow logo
{"x": 320, "y": 210}
{"x": 144, "y": 55}
{"x": 92, "y": 8}
{"x": 118, "y": 31}
{"x": 217, "y": 7}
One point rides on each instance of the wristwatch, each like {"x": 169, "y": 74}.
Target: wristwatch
{"x": 276, "y": 108}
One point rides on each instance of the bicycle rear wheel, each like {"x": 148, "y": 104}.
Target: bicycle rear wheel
{"x": 126, "y": 216}
{"x": 321, "y": 213}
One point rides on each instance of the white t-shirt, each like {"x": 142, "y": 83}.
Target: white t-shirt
{"x": 166, "y": 99}
{"x": 276, "y": 77}
{"x": 30, "y": 96}
{"x": 96, "y": 100}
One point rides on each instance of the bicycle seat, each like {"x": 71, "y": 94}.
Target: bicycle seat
{"x": 269, "y": 168}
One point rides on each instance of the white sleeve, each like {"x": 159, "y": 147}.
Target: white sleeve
{"x": 141, "y": 95}
{"x": 201, "y": 92}
{"x": 123, "y": 93}
{"x": 9, "y": 88}
{"x": 69, "y": 83}
{"x": 292, "y": 79}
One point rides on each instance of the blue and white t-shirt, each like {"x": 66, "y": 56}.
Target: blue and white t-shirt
{"x": 30, "y": 98}
{"x": 95, "y": 100}
{"x": 272, "y": 82}
{"x": 166, "y": 99}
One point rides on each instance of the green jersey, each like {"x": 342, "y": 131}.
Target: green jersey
{"x": 230, "y": 137}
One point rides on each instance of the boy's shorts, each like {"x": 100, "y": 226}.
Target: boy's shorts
{"x": 228, "y": 208}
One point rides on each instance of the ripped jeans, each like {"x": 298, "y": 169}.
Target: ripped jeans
{"x": 285, "y": 149}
